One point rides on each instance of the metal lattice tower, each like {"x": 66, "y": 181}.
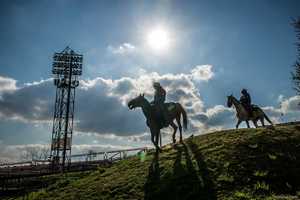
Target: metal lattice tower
{"x": 67, "y": 67}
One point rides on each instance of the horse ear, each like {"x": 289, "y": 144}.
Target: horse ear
{"x": 143, "y": 94}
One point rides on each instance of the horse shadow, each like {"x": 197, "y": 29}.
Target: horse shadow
{"x": 153, "y": 177}
{"x": 208, "y": 187}
{"x": 186, "y": 181}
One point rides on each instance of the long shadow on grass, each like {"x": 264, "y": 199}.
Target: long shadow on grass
{"x": 207, "y": 190}
{"x": 184, "y": 181}
{"x": 151, "y": 186}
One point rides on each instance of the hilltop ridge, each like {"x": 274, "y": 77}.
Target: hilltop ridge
{"x": 261, "y": 163}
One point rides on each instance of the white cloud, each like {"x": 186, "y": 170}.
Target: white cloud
{"x": 124, "y": 48}
{"x": 101, "y": 103}
{"x": 14, "y": 153}
{"x": 280, "y": 98}
{"x": 102, "y": 113}
{"x": 289, "y": 110}
{"x": 7, "y": 84}
{"x": 202, "y": 72}
{"x": 291, "y": 104}
{"x": 214, "y": 118}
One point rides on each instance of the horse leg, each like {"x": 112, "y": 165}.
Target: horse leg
{"x": 155, "y": 137}
{"x": 160, "y": 140}
{"x": 174, "y": 132}
{"x": 247, "y": 122}
{"x": 262, "y": 120}
{"x": 152, "y": 137}
{"x": 238, "y": 123}
{"x": 157, "y": 140}
{"x": 255, "y": 123}
{"x": 180, "y": 127}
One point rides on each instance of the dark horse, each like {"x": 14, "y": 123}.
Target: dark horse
{"x": 175, "y": 110}
{"x": 243, "y": 115}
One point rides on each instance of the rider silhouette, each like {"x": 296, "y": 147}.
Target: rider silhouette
{"x": 159, "y": 100}
{"x": 246, "y": 101}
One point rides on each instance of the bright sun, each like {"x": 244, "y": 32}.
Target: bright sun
{"x": 158, "y": 39}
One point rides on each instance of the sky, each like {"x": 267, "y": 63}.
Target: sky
{"x": 214, "y": 49}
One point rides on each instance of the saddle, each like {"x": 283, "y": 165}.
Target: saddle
{"x": 159, "y": 115}
{"x": 251, "y": 109}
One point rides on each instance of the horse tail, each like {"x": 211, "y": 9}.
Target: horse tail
{"x": 267, "y": 118}
{"x": 263, "y": 114}
{"x": 184, "y": 115}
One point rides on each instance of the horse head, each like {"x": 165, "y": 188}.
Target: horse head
{"x": 230, "y": 100}
{"x": 136, "y": 102}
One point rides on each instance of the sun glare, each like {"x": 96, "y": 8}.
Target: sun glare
{"x": 158, "y": 39}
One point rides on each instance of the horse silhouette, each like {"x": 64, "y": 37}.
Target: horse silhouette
{"x": 243, "y": 115}
{"x": 175, "y": 110}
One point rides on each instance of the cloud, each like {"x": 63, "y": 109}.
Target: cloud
{"x": 220, "y": 116}
{"x": 7, "y": 84}
{"x": 280, "y": 98}
{"x": 202, "y": 72}
{"x": 125, "y": 48}
{"x": 14, "y": 153}
{"x": 101, "y": 104}
{"x": 101, "y": 112}
{"x": 289, "y": 109}
{"x": 215, "y": 118}
{"x": 291, "y": 104}
{"x": 31, "y": 102}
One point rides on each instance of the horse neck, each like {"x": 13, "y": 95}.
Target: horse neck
{"x": 237, "y": 104}
{"x": 146, "y": 108}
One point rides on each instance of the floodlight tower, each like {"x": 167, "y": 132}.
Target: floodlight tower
{"x": 67, "y": 67}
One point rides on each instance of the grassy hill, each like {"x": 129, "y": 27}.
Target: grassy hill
{"x": 259, "y": 163}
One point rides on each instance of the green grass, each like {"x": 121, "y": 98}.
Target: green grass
{"x": 234, "y": 164}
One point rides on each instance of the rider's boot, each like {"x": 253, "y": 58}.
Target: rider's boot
{"x": 166, "y": 118}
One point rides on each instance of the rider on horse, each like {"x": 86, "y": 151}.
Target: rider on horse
{"x": 159, "y": 100}
{"x": 246, "y": 101}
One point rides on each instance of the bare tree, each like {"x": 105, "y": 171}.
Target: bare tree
{"x": 296, "y": 73}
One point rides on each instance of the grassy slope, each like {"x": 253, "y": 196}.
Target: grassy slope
{"x": 232, "y": 164}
